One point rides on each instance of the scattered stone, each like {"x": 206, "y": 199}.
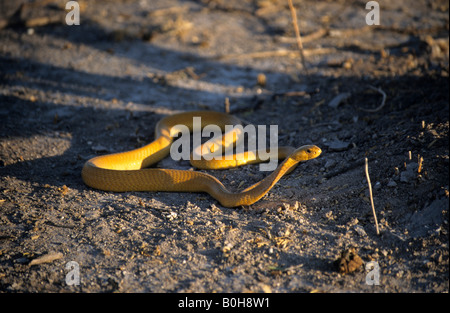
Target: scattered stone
{"x": 99, "y": 149}
{"x": 410, "y": 173}
{"x": 337, "y": 145}
{"x": 391, "y": 183}
{"x": 428, "y": 219}
{"x": 265, "y": 288}
{"x": 261, "y": 80}
{"x": 330, "y": 163}
{"x": 334, "y": 103}
{"x": 47, "y": 258}
{"x": 360, "y": 230}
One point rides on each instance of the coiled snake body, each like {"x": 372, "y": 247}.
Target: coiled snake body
{"x": 127, "y": 171}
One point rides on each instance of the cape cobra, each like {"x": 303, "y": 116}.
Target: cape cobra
{"x": 127, "y": 171}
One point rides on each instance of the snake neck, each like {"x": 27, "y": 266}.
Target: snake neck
{"x": 255, "y": 192}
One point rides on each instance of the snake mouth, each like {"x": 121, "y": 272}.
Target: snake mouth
{"x": 316, "y": 152}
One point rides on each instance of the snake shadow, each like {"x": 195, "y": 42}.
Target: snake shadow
{"x": 78, "y": 102}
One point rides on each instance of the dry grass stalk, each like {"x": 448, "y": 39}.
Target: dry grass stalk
{"x": 227, "y": 105}
{"x": 308, "y": 38}
{"x": 297, "y": 34}
{"x": 371, "y": 196}
{"x": 419, "y": 169}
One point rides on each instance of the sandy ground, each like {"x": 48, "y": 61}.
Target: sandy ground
{"x": 68, "y": 93}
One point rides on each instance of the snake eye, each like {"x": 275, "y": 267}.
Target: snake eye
{"x": 308, "y": 150}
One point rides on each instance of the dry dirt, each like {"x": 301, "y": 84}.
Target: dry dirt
{"x": 68, "y": 93}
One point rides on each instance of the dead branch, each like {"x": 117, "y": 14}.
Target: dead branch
{"x": 277, "y": 53}
{"x": 383, "y": 101}
{"x": 297, "y": 34}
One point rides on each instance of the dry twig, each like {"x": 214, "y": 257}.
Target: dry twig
{"x": 308, "y": 38}
{"x": 371, "y": 196}
{"x": 277, "y": 53}
{"x": 297, "y": 34}
{"x": 383, "y": 102}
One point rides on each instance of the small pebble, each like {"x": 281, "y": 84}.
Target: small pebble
{"x": 337, "y": 145}
{"x": 391, "y": 183}
{"x": 360, "y": 230}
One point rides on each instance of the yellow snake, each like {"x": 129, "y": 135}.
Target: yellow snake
{"x": 127, "y": 171}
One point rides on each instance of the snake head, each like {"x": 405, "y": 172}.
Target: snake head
{"x": 307, "y": 152}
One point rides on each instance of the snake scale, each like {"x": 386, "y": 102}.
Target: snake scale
{"x": 128, "y": 171}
